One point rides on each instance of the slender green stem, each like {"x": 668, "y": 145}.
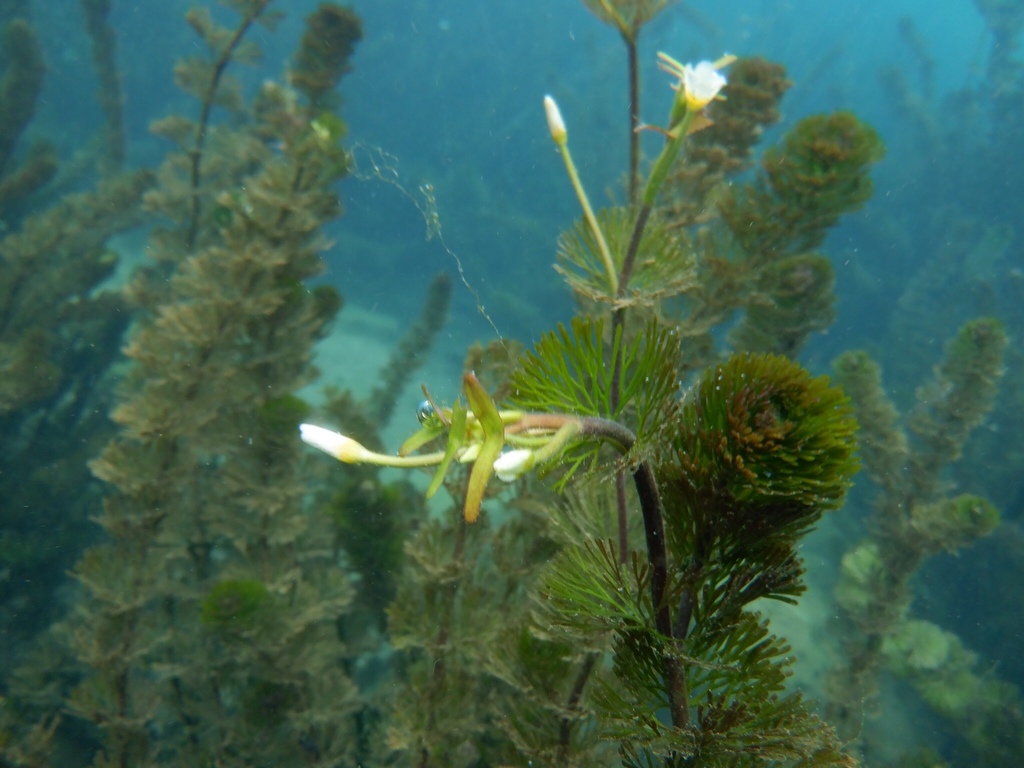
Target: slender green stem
{"x": 588, "y": 214}
{"x": 400, "y": 462}
{"x": 677, "y": 134}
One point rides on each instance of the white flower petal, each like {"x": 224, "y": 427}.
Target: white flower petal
{"x": 512, "y": 464}
{"x": 701, "y": 83}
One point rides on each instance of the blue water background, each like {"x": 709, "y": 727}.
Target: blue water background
{"x": 452, "y": 91}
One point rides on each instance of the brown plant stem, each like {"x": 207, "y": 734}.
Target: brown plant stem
{"x": 565, "y": 727}
{"x": 196, "y": 153}
{"x": 634, "y": 115}
{"x": 623, "y": 439}
{"x": 618, "y": 316}
{"x": 634, "y": 246}
{"x": 618, "y": 326}
{"x": 104, "y": 54}
{"x": 622, "y": 511}
{"x": 654, "y": 528}
{"x": 437, "y": 678}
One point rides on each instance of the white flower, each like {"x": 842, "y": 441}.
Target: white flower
{"x": 512, "y": 464}
{"x": 555, "y": 122}
{"x": 701, "y": 83}
{"x": 333, "y": 443}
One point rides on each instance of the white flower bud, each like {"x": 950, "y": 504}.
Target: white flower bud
{"x": 333, "y": 443}
{"x": 555, "y": 122}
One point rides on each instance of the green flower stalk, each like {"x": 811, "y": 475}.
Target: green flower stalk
{"x": 349, "y": 451}
{"x": 698, "y": 85}
{"x": 559, "y": 134}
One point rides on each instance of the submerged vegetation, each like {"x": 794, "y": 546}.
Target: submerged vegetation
{"x": 608, "y": 511}
{"x": 639, "y": 632}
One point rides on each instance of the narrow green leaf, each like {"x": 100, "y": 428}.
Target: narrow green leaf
{"x": 456, "y": 439}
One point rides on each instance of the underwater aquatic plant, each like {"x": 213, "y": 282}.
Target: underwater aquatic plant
{"x": 328, "y": 43}
{"x": 768, "y": 433}
{"x": 665, "y": 270}
{"x": 475, "y": 436}
{"x": 235, "y": 323}
{"x": 565, "y": 371}
{"x": 792, "y": 298}
{"x": 819, "y": 173}
{"x": 21, "y": 86}
{"x": 109, "y": 95}
{"x": 914, "y": 520}
{"x": 559, "y": 135}
{"x": 629, "y": 17}
{"x": 725, "y": 488}
{"x": 756, "y": 458}
{"x": 725, "y": 148}
{"x": 234, "y": 605}
{"x": 756, "y": 239}
{"x": 212, "y": 580}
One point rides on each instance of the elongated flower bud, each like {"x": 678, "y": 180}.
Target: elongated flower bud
{"x": 333, "y": 444}
{"x": 555, "y": 122}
